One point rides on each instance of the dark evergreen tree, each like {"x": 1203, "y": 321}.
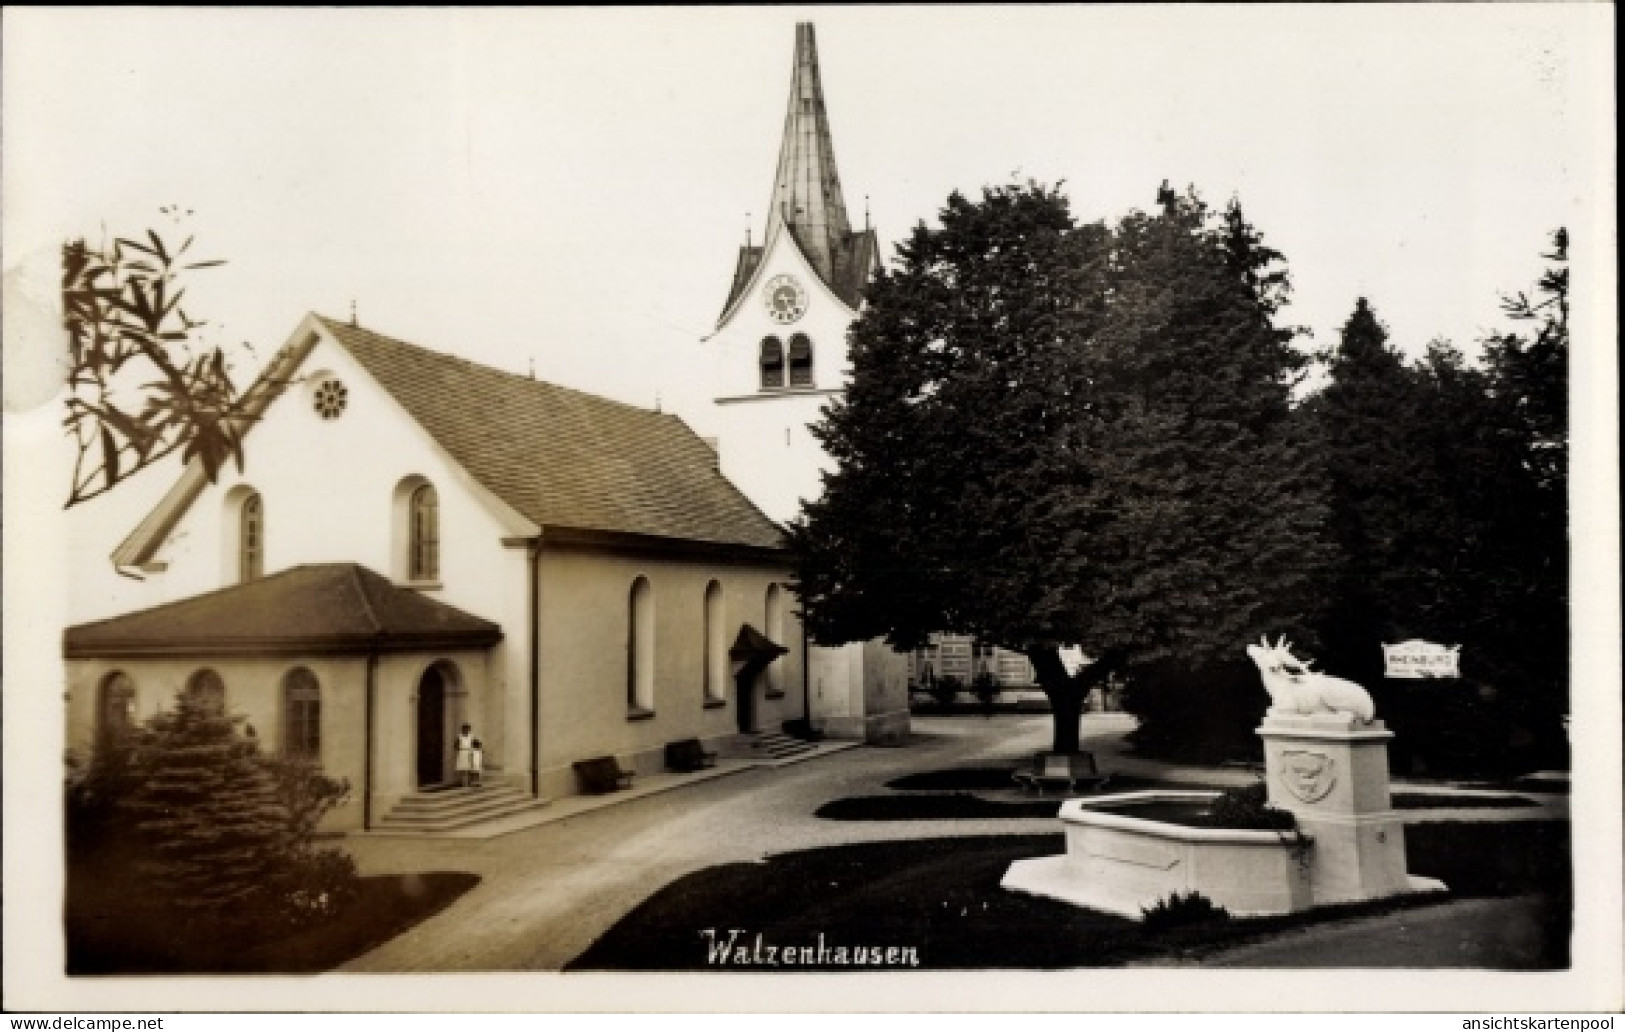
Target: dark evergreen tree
{"x": 207, "y": 808}
{"x": 1060, "y": 435}
{"x": 225, "y": 831}
{"x": 1448, "y": 488}
{"x": 1528, "y": 545}
{"x": 1376, "y": 461}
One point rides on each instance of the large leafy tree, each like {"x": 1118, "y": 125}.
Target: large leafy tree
{"x": 1066, "y": 434}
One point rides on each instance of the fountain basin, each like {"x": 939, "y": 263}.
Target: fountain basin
{"x": 1122, "y": 864}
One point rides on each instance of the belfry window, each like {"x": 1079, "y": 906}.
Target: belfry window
{"x": 801, "y": 368}
{"x": 772, "y": 362}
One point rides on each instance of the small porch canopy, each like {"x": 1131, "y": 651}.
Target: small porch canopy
{"x": 754, "y": 651}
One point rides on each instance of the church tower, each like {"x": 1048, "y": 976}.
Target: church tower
{"x": 780, "y": 343}
{"x": 780, "y": 355}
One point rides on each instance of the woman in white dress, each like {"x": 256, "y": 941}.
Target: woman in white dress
{"x": 465, "y": 755}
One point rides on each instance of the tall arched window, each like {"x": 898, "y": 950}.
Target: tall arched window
{"x": 115, "y": 709}
{"x": 425, "y": 533}
{"x": 251, "y": 539}
{"x": 801, "y": 369}
{"x": 772, "y": 362}
{"x": 716, "y": 646}
{"x": 640, "y": 650}
{"x": 302, "y": 716}
{"x": 773, "y": 627}
{"x": 208, "y": 690}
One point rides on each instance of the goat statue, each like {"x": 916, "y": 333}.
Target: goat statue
{"x": 1294, "y": 688}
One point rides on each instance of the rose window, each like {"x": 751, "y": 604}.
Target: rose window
{"x": 330, "y": 398}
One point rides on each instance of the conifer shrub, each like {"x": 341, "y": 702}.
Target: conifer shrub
{"x": 221, "y": 833}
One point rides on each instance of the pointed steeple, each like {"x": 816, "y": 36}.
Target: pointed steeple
{"x": 806, "y": 189}
{"x": 807, "y": 204}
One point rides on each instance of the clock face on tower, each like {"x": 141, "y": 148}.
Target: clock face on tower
{"x": 785, "y": 298}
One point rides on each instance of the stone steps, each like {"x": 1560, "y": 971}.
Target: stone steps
{"x": 454, "y": 808}
{"x": 777, "y": 746}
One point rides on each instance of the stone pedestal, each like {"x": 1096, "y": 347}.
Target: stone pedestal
{"x": 1331, "y": 771}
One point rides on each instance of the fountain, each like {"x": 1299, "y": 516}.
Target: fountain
{"x": 1325, "y": 762}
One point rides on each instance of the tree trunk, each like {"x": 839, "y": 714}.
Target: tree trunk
{"x": 1066, "y": 692}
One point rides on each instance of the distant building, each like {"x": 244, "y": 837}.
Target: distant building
{"x": 780, "y": 355}
{"x": 962, "y": 657}
{"x": 418, "y": 541}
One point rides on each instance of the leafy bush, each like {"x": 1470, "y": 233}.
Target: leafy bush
{"x": 986, "y": 688}
{"x": 1181, "y": 911}
{"x": 945, "y": 689}
{"x": 1247, "y": 809}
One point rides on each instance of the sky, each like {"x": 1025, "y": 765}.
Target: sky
{"x": 569, "y": 188}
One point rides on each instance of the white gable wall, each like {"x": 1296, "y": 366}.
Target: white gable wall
{"x": 328, "y": 488}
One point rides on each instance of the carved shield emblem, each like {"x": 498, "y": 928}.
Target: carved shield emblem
{"x": 1308, "y": 775}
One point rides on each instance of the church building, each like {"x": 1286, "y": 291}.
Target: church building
{"x": 416, "y": 542}
{"x": 779, "y": 354}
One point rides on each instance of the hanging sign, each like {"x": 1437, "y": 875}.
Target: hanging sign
{"x": 1418, "y": 659}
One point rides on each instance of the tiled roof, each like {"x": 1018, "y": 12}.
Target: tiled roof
{"x": 563, "y": 458}
{"x": 337, "y": 607}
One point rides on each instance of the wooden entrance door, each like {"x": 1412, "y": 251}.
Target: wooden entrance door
{"x": 745, "y": 691}
{"x": 431, "y": 728}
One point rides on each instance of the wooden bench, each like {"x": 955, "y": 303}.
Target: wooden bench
{"x": 688, "y": 755}
{"x": 1069, "y": 769}
{"x": 602, "y": 774}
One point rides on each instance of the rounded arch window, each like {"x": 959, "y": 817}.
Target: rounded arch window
{"x": 772, "y": 361}
{"x": 801, "y": 361}
{"x": 424, "y": 533}
{"x": 640, "y": 649}
{"x": 773, "y": 626}
{"x": 115, "y": 708}
{"x": 251, "y": 538}
{"x": 207, "y": 691}
{"x": 716, "y": 645}
{"x": 302, "y": 715}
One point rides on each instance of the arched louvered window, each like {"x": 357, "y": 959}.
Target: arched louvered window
{"x": 772, "y": 362}
{"x": 801, "y": 361}
{"x": 302, "y": 716}
{"x": 425, "y": 533}
{"x": 251, "y": 539}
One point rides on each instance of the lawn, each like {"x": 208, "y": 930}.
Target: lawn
{"x": 942, "y": 898}
{"x": 112, "y": 929}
